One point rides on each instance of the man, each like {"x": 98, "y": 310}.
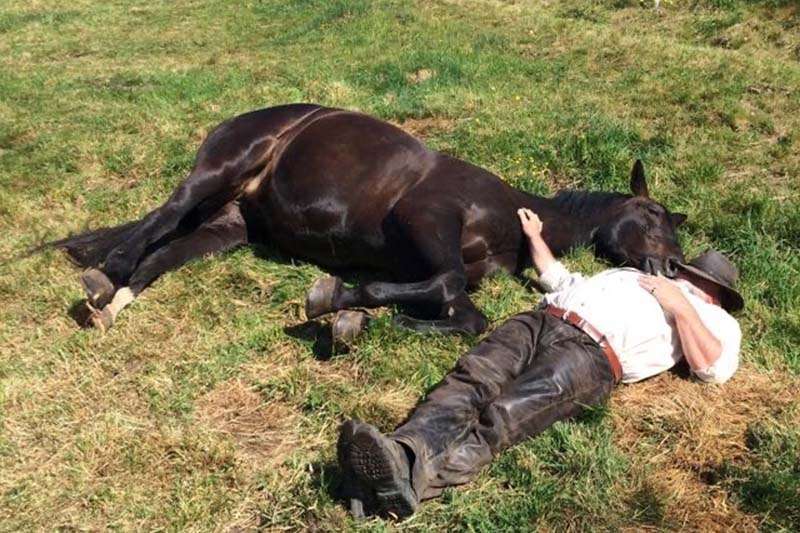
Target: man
{"x": 546, "y": 365}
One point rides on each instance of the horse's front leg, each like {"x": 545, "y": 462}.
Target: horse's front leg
{"x": 432, "y": 240}
{"x": 445, "y": 291}
{"x": 459, "y": 316}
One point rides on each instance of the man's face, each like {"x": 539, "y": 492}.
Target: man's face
{"x": 706, "y": 290}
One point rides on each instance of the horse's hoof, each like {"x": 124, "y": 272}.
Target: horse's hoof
{"x": 357, "y": 509}
{"x": 347, "y": 326}
{"x": 99, "y": 289}
{"x": 102, "y": 320}
{"x": 319, "y": 300}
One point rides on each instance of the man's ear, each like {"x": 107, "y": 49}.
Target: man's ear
{"x": 677, "y": 218}
{"x": 638, "y": 181}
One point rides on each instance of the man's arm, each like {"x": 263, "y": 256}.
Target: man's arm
{"x": 701, "y": 348}
{"x": 541, "y": 255}
{"x": 553, "y": 277}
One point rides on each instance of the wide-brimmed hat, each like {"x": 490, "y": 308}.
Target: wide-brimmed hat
{"x": 717, "y": 269}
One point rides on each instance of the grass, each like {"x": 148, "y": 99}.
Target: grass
{"x": 207, "y": 408}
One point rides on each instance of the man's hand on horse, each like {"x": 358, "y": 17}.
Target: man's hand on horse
{"x": 531, "y": 224}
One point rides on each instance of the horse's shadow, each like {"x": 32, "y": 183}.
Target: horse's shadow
{"x": 318, "y": 332}
{"x": 80, "y": 313}
{"x": 312, "y": 330}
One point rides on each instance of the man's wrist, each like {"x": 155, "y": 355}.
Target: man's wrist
{"x": 683, "y": 310}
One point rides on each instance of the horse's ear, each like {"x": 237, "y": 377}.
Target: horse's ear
{"x": 677, "y": 218}
{"x": 638, "y": 181}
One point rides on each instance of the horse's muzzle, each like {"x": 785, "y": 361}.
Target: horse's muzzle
{"x": 671, "y": 267}
{"x": 655, "y": 266}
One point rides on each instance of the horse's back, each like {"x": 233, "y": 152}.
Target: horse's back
{"x": 335, "y": 181}
{"x": 352, "y": 158}
{"x": 235, "y": 136}
{"x": 344, "y": 187}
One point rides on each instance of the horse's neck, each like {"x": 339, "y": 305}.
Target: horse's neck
{"x": 569, "y": 221}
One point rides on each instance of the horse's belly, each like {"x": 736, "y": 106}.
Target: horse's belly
{"x": 324, "y": 233}
{"x": 333, "y": 250}
{"x": 333, "y": 186}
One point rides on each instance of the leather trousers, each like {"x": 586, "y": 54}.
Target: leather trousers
{"x": 532, "y": 371}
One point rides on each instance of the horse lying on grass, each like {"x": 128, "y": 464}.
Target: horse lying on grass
{"x": 343, "y": 189}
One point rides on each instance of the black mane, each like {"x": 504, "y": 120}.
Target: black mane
{"x": 585, "y": 202}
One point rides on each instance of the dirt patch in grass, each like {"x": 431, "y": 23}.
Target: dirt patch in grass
{"x": 264, "y": 431}
{"x": 684, "y": 430}
{"x": 422, "y": 127}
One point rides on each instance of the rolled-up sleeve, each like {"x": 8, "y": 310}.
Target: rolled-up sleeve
{"x": 557, "y": 278}
{"x": 727, "y": 331}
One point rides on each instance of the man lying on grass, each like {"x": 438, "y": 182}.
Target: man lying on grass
{"x": 547, "y": 365}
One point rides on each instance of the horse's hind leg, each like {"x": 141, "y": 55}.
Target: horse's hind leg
{"x": 122, "y": 261}
{"x": 223, "y": 231}
{"x": 223, "y": 168}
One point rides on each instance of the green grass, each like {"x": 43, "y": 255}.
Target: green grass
{"x": 201, "y": 410}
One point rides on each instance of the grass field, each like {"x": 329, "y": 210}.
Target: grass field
{"x": 206, "y": 407}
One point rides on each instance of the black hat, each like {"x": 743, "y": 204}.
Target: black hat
{"x": 717, "y": 269}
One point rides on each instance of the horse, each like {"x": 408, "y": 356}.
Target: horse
{"x": 343, "y": 189}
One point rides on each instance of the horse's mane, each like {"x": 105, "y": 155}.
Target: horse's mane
{"x": 585, "y": 202}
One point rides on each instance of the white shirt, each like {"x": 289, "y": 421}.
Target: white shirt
{"x": 637, "y": 328}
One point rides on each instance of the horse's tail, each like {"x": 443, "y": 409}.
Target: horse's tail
{"x": 89, "y": 249}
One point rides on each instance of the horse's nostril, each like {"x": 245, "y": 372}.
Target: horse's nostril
{"x": 649, "y": 266}
{"x": 671, "y": 267}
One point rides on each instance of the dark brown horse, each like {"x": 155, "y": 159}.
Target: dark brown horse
{"x": 343, "y": 189}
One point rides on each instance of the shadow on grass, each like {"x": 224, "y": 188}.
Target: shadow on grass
{"x": 320, "y": 334}
{"x": 80, "y": 313}
{"x": 330, "y": 479}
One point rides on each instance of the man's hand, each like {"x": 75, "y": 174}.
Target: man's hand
{"x": 541, "y": 255}
{"x": 666, "y": 292}
{"x": 531, "y": 225}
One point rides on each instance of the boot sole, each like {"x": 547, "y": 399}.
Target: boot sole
{"x": 357, "y": 494}
{"x": 373, "y": 465}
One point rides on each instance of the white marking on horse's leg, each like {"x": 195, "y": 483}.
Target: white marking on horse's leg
{"x": 123, "y": 298}
{"x": 105, "y": 318}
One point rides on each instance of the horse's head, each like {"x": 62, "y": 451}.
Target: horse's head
{"x": 641, "y": 232}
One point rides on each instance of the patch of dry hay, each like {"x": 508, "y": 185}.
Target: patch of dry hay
{"x": 265, "y": 432}
{"x": 683, "y": 431}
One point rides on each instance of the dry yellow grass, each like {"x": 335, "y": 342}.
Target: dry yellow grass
{"x": 684, "y": 431}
